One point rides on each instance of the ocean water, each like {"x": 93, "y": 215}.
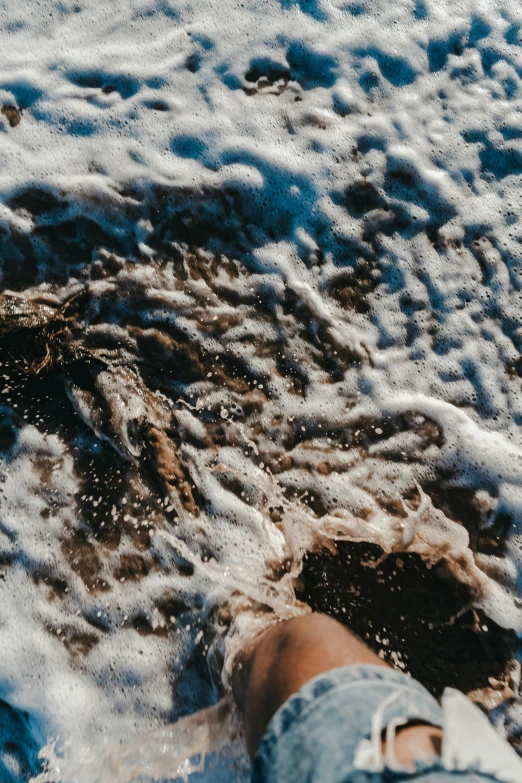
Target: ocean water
{"x": 261, "y": 275}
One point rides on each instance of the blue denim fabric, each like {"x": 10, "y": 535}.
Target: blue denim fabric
{"x": 313, "y": 737}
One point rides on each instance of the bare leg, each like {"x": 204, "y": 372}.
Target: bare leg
{"x": 281, "y": 660}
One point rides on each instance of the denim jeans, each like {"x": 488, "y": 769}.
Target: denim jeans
{"x": 331, "y": 732}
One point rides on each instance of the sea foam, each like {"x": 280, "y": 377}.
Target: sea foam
{"x": 275, "y": 251}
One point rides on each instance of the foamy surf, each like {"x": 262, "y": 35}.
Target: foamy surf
{"x": 261, "y": 293}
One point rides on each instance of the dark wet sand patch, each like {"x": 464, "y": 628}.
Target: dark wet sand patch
{"x": 416, "y": 617}
{"x": 13, "y": 115}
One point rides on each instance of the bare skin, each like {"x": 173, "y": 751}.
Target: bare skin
{"x": 282, "y": 659}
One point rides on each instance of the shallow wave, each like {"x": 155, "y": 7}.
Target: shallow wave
{"x": 261, "y": 302}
